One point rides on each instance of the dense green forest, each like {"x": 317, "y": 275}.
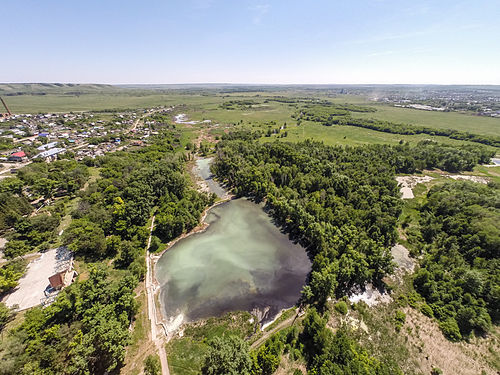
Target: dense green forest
{"x": 341, "y": 203}
{"x": 335, "y": 115}
{"x": 86, "y": 330}
{"x": 459, "y": 236}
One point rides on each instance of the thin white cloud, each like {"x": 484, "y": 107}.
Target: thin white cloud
{"x": 259, "y": 11}
{"x": 386, "y": 37}
{"x": 411, "y": 51}
{"x": 202, "y": 4}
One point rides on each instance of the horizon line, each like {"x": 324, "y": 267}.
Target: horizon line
{"x": 248, "y": 84}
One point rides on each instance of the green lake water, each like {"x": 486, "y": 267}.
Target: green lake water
{"x": 241, "y": 262}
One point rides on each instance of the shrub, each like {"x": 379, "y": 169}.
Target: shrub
{"x": 450, "y": 329}
{"x": 400, "y": 319}
{"x": 426, "y": 310}
{"x": 152, "y": 365}
{"x": 155, "y": 244}
{"x": 341, "y": 307}
{"x": 16, "y": 248}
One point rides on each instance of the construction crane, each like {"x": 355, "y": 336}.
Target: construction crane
{"x": 9, "y": 113}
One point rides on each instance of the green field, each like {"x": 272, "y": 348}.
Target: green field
{"x": 202, "y": 105}
{"x": 444, "y": 120}
{"x": 350, "y": 135}
{"x": 96, "y": 102}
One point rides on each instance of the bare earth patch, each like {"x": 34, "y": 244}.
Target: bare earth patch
{"x": 477, "y": 179}
{"x": 407, "y": 183}
{"x": 452, "y": 358}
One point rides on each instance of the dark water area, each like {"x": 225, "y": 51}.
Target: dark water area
{"x": 241, "y": 262}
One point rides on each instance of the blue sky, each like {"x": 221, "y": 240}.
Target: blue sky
{"x": 247, "y": 41}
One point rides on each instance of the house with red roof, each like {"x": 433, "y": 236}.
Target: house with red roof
{"x": 17, "y": 156}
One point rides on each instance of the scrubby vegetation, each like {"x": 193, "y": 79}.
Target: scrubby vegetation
{"x": 323, "y": 351}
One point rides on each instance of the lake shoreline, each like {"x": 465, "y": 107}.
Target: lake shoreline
{"x": 255, "y": 268}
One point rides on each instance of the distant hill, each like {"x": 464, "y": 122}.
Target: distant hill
{"x": 14, "y": 89}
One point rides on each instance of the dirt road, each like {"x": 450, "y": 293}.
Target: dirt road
{"x": 150, "y": 289}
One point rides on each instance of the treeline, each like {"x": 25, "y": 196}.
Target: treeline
{"x": 238, "y": 104}
{"x": 460, "y": 237}
{"x": 243, "y": 134}
{"x": 340, "y": 203}
{"x": 328, "y": 117}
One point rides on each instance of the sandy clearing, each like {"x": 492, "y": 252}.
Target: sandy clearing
{"x": 30, "y": 290}
{"x": 371, "y": 296}
{"x": 182, "y": 118}
{"x": 481, "y": 180}
{"x": 401, "y": 257}
{"x": 407, "y": 183}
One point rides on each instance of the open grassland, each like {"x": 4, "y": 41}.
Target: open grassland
{"x": 202, "y": 106}
{"x": 350, "y": 135}
{"x": 442, "y": 120}
{"x": 261, "y": 113}
{"x": 96, "y": 102}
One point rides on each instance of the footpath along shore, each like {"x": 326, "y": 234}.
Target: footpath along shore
{"x": 160, "y": 334}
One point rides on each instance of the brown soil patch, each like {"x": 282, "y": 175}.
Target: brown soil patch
{"x": 287, "y": 367}
{"x": 434, "y": 350}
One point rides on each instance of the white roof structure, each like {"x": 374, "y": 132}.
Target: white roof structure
{"x": 47, "y": 146}
{"x": 51, "y": 152}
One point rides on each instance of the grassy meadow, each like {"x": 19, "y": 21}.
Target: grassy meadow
{"x": 445, "y": 120}
{"x": 203, "y": 105}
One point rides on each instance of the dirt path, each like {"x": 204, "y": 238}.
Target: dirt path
{"x": 267, "y": 334}
{"x": 150, "y": 290}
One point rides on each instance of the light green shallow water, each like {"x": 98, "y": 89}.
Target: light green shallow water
{"x": 241, "y": 262}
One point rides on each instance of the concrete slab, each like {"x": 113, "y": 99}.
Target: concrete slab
{"x": 30, "y": 290}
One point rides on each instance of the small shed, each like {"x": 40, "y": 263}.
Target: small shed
{"x": 62, "y": 279}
